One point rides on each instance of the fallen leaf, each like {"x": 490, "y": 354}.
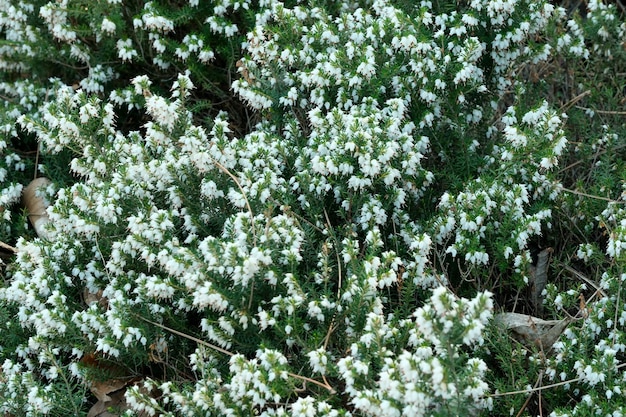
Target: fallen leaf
{"x": 539, "y": 279}
{"x": 103, "y": 408}
{"x": 97, "y": 297}
{"x": 531, "y": 330}
{"x": 36, "y": 205}
{"x": 102, "y": 389}
{"x": 116, "y": 403}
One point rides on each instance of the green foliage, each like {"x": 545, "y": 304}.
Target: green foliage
{"x": 311, "y": 207}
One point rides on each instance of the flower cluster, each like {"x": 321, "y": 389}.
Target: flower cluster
{"x": 470, "y": 220}
{"x": 91, "y": 47}
{"x": 420, "y": 379}
{"x": 613, "y": 218}
{"x": 267, "y": 208}
{"x": 215, "y": 243}
{"x": 589, "y": 358}
{"x": 604, "y": 29}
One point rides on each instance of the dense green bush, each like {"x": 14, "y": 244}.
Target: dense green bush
{"x": 312, "y": 208}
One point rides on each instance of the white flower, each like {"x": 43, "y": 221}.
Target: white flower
{"x": 164, "y": 113}
{"x": 315, "y": 311}
{"x": 107, "y": 26}
{"x": 318, "y": 360}
{"x": 125, "y": 50}
{"x": 304, "y": 407}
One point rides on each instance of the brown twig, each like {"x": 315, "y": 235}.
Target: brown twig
{"x": 201, "y": 342}
{"x": 243, "y": 193}
{"x": 573, "y": 101}
{"x": 8, "y": 247}
{"x": 597, "y": 197}
{"x": 612, "y": 112}
{"x": 37, "y": 160}
{"x": 578, "y": 274}
{"x": 594, "y": 157}
{"x": 615, "y": 319}
{"x": 189, "y": 337}
{"x": 539, "y": 377}
{"x": 543, "y": 387}
{"x": 338, "y": 259}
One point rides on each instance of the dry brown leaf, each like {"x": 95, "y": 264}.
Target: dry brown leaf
{"x": 539, "y": 279}
{"x": 36, "y": 205}
{"x": 91, "y": 298}
{"x": 241, "y": 67}
{"x": 116, "y": 403}
{"x": 531, "y": 330}
{"x": 102, "y": 389}
{"x": 103, "y": 408}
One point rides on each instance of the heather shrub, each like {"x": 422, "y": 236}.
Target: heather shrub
{"x": 311, "y": 208}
